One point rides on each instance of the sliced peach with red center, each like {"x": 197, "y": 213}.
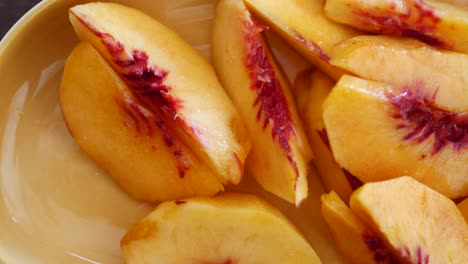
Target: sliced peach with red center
{"x": 251, "y": 77}
{"x": 406, "y": 62}
{"x": 134, "y": 145}
{"x": 439, "y": 23}
{"x": 380, "y": 132}
{"x": 171, "y": 79}
{"x": 397, "y": 221}
{"x": 420, "y": 224}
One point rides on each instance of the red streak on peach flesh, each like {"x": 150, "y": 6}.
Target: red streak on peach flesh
{"x": 313, "y": 47}
{"x": 147, "y": 123}
{"x": 419, "y": 22}
{"x": 421, "y": 256}
{"x": 147, "y": 82}
{"x": 180, "y": 202}
{"x": 272, "y": 103}
{"x": 421, "y": 120}
{"x": 382, "y": 253}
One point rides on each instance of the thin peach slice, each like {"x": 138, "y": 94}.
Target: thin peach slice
{"x": 439, "y": 23}
{"x": 379, "y": 132}
{"x": 125, "y": 138}
{"x": 406, "y": 62}
{"x": 352, "y": 236}
{"x": 229, "y": 229}
{"x": 310, "y": 91}
{"x": 171, "y": 79}
{"x": 250, "y": 75}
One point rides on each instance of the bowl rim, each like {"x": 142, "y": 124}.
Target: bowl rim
{"x": 21, "y": 24}
{"x": 15, "y": 30}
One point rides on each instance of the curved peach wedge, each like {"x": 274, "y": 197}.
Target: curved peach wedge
{"x": 171, "y": 79}
{"x": 310, "y": 92}
{"x": 229, "y": 228}
{"x": 378, "y": 132}
{"x": 439, "y": 23}
{"x": 136, "y": 147}
{"x": 406, "y": 62}
{"x": 349, "y": 232}
{"x": 418, "y": 223}
{"x": 280, "y": 154}
{"x": 304, "y": 25}
{"x": 397, "y": 221}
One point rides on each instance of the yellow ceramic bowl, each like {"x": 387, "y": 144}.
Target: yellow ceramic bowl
{"x": 56, "y": 205}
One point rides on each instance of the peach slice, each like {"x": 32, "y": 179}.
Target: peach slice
{"x": 310, "y": 91}
{"x": 230, "y": 228}
{"x": 377, "y": 132}
{"x": 407, "y": 62}
{"x": 463, "y": 207}
{"x": 304, "y": 25}
{"x": 439, "y": 23}
{"x": 420, "y": 224}
{"x": 125, "y": 138}
{"x": 252, "y": 79}
{"x": 171, "y": 79}
{"x": 350, "y": 233}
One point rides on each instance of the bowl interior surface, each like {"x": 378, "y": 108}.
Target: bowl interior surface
{"x": 56, "y": 205}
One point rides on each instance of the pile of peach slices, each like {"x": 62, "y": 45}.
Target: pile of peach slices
{"x": 383, "y": 119}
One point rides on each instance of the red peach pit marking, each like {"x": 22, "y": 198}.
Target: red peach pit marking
{"x": 272, "y": 103}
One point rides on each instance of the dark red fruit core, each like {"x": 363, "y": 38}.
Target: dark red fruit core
{"x": 180, "y": 202}
{"x": 420, "y": 256}
{"x": 419, "y": 22}
{"x": 421, "y": 120}
{"x": 146, "y": 81}
{"x": 382, "y": 253}
{"x": 272, "y": 103}
{"x": 313, "y": 47}
{"x": 147, "y": 123}
{"x": 148, "y": 85}
{"x": 354, "y": 182}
